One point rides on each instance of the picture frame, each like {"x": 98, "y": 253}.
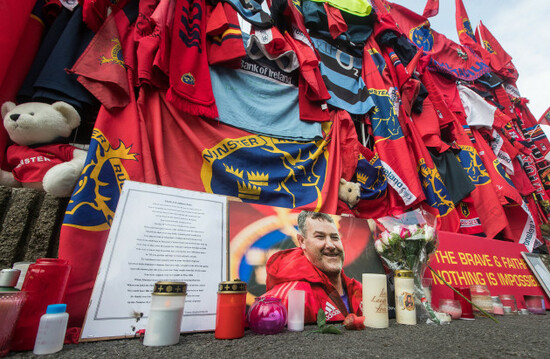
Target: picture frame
{"x": 159, "y": 233}
{"x": 540, "y": 266}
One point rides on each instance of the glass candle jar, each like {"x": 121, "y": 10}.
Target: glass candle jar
{"x": 267, "y": 315}
{"x": 498, "y": 308}
{"x": 231, "y": 310}
{"x": 164, "y": 319}
{"x": 405, "y": 310}
{"x": 509, "y": 300}
{"x": 535, "y": 304}
{"x": 481, "y": 296}
{"x": 10, "y": 305}
{"x": 296, "y": 310}
{"x": 464, "y": 298}
{"x": 451, "y": 307}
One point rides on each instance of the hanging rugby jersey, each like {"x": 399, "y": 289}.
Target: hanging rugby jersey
{"x": 479, "y": 113}
{"x": 224, "y": 40}
{"x": 484, "y": 203}
{"x": 261, "y": 98}
{"x": 349, "y": 29}
{"x": 270, "y": 43}
{"x": 342, "y": 76}
{"x": 49, "y": 79}
{"x": 252, "y": 11}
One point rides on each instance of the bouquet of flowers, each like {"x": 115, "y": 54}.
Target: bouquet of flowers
{"x": 407, "y": 242}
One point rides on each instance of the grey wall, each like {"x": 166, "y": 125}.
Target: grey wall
{"x": 29, "y": 225}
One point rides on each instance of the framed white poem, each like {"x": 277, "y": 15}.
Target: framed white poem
{"x": 540, "y": 266}
{"x": 159, "y": 234}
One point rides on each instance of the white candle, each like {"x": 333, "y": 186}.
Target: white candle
{"x": 405, "y": 310}
{"x": 163, "y": 327}
{"x": 375, "y": 300}
{"x": 296, "y": 307}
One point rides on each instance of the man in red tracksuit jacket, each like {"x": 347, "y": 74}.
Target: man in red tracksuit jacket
{"x": 316, "y": 268}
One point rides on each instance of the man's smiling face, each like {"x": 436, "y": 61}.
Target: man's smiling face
{"x": 322, "y": 246}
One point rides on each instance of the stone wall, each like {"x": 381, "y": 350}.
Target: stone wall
{"x": 29, "y": 225}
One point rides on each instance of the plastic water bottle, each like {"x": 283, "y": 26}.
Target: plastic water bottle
{"x": 51, "y": 330}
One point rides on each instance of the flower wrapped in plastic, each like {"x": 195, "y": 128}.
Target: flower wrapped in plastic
{"x": 407, "y": 242}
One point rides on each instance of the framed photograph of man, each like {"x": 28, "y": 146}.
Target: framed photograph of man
{"x": 257, "y": 232}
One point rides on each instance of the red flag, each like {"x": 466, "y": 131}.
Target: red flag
{"x": 499, "y": 60}
{"x": 21, "y": 63}
{"x": 545, "y": 118}
{"x": 102, "y": 67}
{"x": 390, "y": 142}
{"x": 446, "y": 56}
{"x": 484, "y": 198}
{"x": 464, "y": 28}
{"x": 13, "y": 20}
{"x": 431, "y": 9}
{"x": 203, "y": 155}
{"x": 116, "y": 153}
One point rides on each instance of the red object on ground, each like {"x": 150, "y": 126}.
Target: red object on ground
{"x": 44, "y": 284}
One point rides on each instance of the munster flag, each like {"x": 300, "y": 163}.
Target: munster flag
{"x": 431, "y": 9}
{"x": 390, "y": 143}
{"x": 499, "y": 59}
{"x": 447, "y": 57}
{"x": 115, "y": 154}
{"x": 464, "y": 27}
{"x": 203, "y": 155}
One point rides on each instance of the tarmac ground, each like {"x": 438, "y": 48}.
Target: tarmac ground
{"x": 515, "y": 336}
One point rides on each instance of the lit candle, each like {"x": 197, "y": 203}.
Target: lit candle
{"x": 296, "y": 308}
{"x": 375, "y": 300}
{"x": 164, "y": 320}
{"x": 163, "y": 326}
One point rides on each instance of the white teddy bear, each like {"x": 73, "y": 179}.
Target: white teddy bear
{"x": 37, "y": 159}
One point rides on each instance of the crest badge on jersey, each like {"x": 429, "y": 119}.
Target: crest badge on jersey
{"x": 472, "y": 164}
{"x": 422, "y": 37}
{"x": 437, "y": 195}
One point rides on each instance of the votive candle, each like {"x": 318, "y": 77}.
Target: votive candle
{"x": 375, "y": 300}
{"x": 296, "y": 309}
{"x": 164, "y": 319}
{"x": 405, "y": 310}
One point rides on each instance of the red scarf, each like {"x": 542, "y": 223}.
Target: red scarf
{"x": 190, "y": 85}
